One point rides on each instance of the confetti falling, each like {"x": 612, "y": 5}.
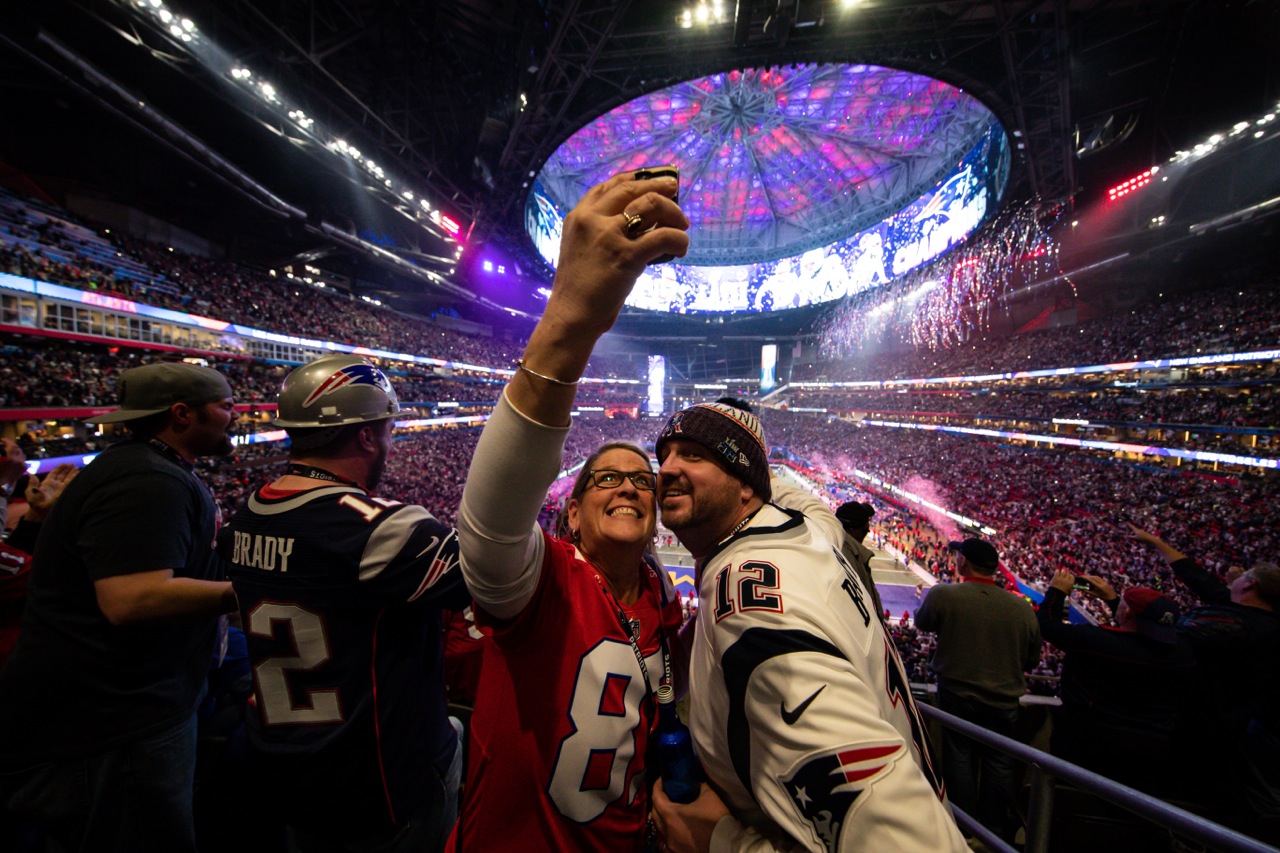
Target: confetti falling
{"x": 949, "y": 302}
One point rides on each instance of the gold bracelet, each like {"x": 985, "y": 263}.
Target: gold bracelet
{"x": 520, "y": 365}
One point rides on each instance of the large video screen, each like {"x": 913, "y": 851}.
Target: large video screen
{"x": 937, "y": 221}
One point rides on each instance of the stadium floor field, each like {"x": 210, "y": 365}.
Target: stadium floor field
{"x": 895, "y": 581}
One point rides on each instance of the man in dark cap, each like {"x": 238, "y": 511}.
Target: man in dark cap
{"x": 855, "y": 518}
{"x": 800, "y": 708}
{"x": 986, "y": 639}
{"x": 1121, "y": 684}
{"x": 97, "y": 704}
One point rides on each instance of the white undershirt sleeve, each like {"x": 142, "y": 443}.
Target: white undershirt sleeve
{"x": 516, "y": 461}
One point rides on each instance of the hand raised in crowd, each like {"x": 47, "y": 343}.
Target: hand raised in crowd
{"x": 1143, "y": 536}
{"x": 1101, "y": 587}
{"x": 1167, "y": 551}
{"x": 43, "y": 494}
{"x": 1063, "y": 580}
{"x": 687, "y": 828}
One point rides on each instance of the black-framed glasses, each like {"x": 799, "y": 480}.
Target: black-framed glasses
{"x": 604, "y": 478}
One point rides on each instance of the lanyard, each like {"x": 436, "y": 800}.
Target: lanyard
{"x": 176, "y": 458}
{"x": 632, "y": 630}
{"x": 313, "y": 473}
{"x": 172, "y": 455}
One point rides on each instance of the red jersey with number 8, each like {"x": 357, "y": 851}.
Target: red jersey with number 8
{"x": 563, "y": 717}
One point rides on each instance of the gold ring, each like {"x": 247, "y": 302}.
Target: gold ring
{"x": 634, "y": 224}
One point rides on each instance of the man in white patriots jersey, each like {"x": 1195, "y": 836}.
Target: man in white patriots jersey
{"x": 801, "y": 712}
{"x": 341, "y": 593}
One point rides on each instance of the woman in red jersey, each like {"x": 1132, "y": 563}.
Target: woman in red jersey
{"x": 582, "y": 627}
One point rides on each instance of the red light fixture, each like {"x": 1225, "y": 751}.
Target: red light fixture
{"x": 1135, "y": 183}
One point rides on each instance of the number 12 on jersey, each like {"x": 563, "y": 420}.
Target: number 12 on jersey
{"x": 755, "y": 589}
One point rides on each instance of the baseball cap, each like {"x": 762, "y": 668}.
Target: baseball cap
{"x": 153, "y": 388}
{"x": 1156, "y": 615}
{"x": 979, "y": 552}
{"x": 854, "y": 513}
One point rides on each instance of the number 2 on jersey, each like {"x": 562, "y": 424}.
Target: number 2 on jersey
{"x": 270, "y": 675}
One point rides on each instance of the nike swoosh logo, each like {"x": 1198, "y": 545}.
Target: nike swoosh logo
{"x": 435, "y": 540}
{"x": 790, "y": 717}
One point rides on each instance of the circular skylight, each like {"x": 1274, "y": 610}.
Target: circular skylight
{"x": 783, "y": 161}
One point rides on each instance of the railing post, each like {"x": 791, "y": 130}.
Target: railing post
{"x": 1039, "y": 811}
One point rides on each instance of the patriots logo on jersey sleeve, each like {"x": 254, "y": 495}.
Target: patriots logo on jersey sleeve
{"x": 825, "y": 786}
{"x": 354, "y": 374}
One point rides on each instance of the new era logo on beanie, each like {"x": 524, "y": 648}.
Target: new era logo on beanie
{"x": 733, "y": 436}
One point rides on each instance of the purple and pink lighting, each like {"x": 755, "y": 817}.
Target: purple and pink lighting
{"x": 803, "y": 184}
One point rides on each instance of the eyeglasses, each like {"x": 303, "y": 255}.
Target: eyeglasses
{"x": 645, "y": 481}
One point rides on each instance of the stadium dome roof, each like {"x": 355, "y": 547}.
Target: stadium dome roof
{"x": 779, "y": 160}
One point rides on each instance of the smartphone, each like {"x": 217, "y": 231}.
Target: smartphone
{"x": 1082, "y": 584}
{"x": 649, "y": 173}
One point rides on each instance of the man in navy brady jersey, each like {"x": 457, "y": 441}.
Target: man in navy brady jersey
{"x": 341, "y": 592}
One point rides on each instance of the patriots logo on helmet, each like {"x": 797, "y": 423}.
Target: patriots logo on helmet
{"x": 354, "y": 374}
{"x": 825, "y": 786}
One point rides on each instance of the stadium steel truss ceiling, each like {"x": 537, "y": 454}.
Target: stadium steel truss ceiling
{"x": 780, "y": 160}
{"x": 470, "y": 98}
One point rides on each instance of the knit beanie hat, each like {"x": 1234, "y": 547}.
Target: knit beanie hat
{"x": 733, "y": 436}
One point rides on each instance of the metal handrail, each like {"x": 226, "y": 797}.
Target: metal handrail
{"x": 1045, "y": 768}
{"x": 972, "y": 826}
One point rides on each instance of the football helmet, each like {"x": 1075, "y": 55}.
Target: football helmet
{"x": 335, "y": 390}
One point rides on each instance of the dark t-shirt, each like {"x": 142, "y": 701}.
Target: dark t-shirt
{"x": 1238, "y": 647}
{"x": 77, "y": 684}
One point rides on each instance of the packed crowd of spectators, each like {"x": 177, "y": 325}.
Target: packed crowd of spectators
{"x": 55, "y": 373}
{"x": 1259, "y": 440}
{"x": 1050, "y": 509}
{"x": 1257, "y": 405}
{"x": 35, "y": 243}
{"x": 1213, "y": 320}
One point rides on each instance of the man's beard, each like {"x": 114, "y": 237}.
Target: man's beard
{"x": 707, "y": 506}
{"x": 222, "y": 445}
{"x": 376, "y": 470}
